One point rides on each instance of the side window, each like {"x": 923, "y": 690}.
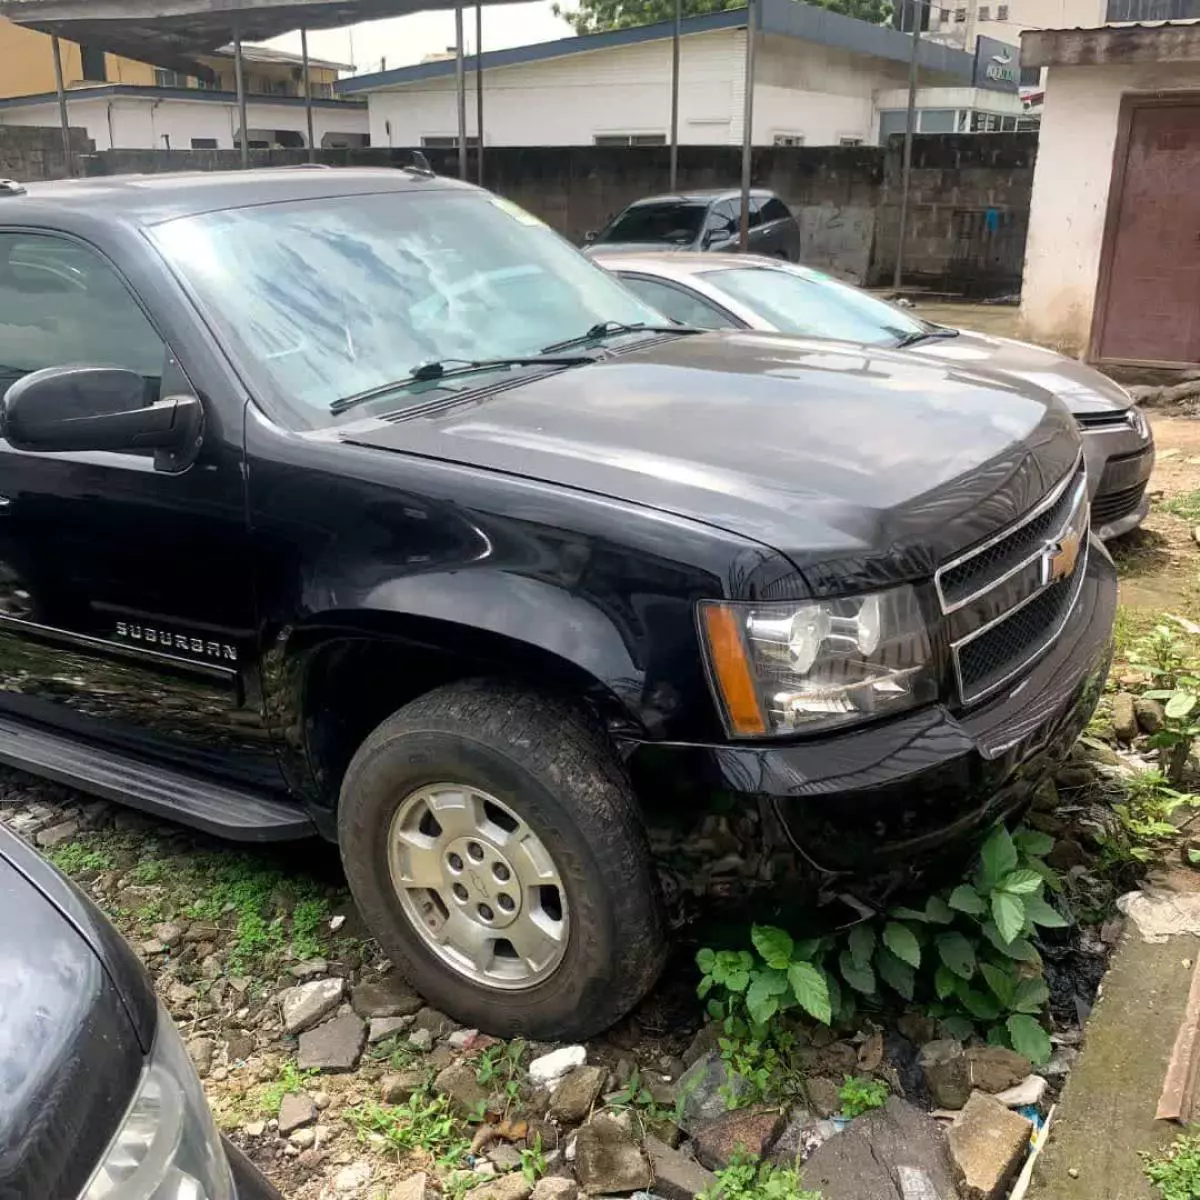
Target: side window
{"x": 722, "y": 219}
{"x": 757, "y": 216}
{"x": 774, "y": 209}
{"x": 62, "y": 304}
{"x": 679, "y": 304}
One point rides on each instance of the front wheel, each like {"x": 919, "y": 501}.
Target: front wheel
{"x": 495, "y": 849}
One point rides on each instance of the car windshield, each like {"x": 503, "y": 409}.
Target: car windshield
{"x": 333, "y": 297}
{"x": 677, "y": 222}
{"x": 814, "y": 305}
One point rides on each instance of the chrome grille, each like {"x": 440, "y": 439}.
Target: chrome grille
{"x": 1008, "y": 599}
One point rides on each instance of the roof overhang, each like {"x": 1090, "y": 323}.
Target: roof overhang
{"x": 1164, "y": 42}
{"x": 174, "y": 33}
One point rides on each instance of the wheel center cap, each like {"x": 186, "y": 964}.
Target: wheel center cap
{"x": 481, "y": 882}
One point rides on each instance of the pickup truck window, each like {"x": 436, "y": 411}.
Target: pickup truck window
{"x": 62, "y": 303}
{"x": 330, "y": 298}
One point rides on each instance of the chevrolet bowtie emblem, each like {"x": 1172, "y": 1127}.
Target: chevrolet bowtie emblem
{"x": 1059, "y": 558}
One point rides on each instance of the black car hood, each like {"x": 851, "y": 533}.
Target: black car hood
{"x": 70, "y": 1055}
{"x": 822, "y": 451}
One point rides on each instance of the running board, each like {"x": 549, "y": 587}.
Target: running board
{"x": 216, "y": 808}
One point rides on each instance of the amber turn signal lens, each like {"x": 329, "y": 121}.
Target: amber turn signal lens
{"x": 731, "y": 667}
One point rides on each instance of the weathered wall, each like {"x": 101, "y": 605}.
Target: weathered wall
{"x": 968, "y": 212}
{"x": 969, "y": 204}
{"x": 29, "y": 154}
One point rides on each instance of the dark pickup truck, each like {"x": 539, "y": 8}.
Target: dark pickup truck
{"x": 359, "y": 503}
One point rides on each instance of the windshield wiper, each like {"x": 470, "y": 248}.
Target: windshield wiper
{"x": 605, "y": 329}
{"x": 940, "y": 332}
{"x": 450, "y": 368}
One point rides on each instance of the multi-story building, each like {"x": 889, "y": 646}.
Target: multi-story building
{"x": 126, "y": 104}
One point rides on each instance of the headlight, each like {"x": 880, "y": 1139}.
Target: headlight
{"x": 167, "y": 1147}
{"x": 1141, "y": 426}
{"x": 785, "y": 668}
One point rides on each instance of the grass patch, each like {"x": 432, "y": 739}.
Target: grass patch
{"x": 1186, "y": 506}
{"x": 859, "y": 1096}
{"x": 290, "y": 1080}
{"x": 1176, "y": 1172}
{"x": 748, "y": 1179}
{"x": 85, "y": 854}
{"x": 425, "y": 1123}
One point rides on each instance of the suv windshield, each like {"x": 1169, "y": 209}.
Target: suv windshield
{"x": 675, "y": 221}
{"x": 814, "y": 305}
{"x": 334, "y": 297}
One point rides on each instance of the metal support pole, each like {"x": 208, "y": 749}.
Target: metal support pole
{"x": 64, "y": 120}
{"x": 916, "y": 9}
{"x": 308, "y": 107}
{"x": 479, "y": 89}
{"x": 675, "y": 95}
{"x": 461, "y": 78}
{"x": 239, "y": 75}
{"x": 748, "y": 124}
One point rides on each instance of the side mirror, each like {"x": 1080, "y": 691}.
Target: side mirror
{"x": 97, "y": 408}
{"x": 590, "y": 237}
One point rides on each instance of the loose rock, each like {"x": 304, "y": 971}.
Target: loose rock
{"x": 946, "y": 1072}
{"x": 701, "y": 1086}
{"x": 64, "y": 831}
{"x": 676, "y": 1177}
{"x": 309, "y": 969}
{"x": 988, "y": 1144}
{"x": 577, "y": 1091}
{"x": 395, "y": 1089}
{"x": 1124, "y": 717}
{"x": 254, "y": 1128}
{"x": 892, "y": 1153}
{"x": 1028, "y": 1091}
{"x": 170, "y": 933}
{"x": 386, "y": 1027}
{"x": 303, "y": 1139}
{"x": 438, "y": 1024}
{"x": 507, "y": 1187}
{"x": 415, "y": 1187}
{"x": 554, "y": 1187}
{"x": 202, "y": 1050}
{"x": 824, "y": 1096}
{"x": 334, "y": 1046}
{"x": 1151, "y": 716}
{"x": 553, "y": 1066}
{"x": 295, "y": 1111}
{"x": 305, "y": 1005}
{"x": 459, "y": 1083}
{"x": 421, "y": 1039}
{"x": 388, "y": 996}
{"x": 505, "y": 1157}
{"x": 994, "y": 1068}
{"x": 350, "y": 1179}
{"x": 748, "y": 1129}
{"x": 608, "y": 1159}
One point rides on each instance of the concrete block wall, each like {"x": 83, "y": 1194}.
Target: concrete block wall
{"x": 29, "y": 153}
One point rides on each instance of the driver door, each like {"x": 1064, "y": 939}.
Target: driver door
{"x": 126, "y": 610}
{"x": 721, "y": 227}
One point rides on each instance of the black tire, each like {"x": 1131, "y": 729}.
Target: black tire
{"x": 544, "y": 758}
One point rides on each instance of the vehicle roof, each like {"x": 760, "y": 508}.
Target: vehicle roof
{"x": 679, "y": 264}
{"x": 707, "y": 194}
{"x": 148, "y": 199}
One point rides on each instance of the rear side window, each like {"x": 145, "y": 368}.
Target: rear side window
{"x": 672, "y": 222}
{"x": 62, "y": 304}
{"x": 678, "y": 303}
{"x": 774, "y": 209}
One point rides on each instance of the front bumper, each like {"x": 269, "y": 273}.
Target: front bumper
{"x": 1119, "y": 464}
{"x": 894, "y": 797}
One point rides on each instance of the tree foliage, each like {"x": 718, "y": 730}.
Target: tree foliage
{"x": 597, "y": 16}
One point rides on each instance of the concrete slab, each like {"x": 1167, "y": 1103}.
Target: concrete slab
{"x": 1107, "y": 1110}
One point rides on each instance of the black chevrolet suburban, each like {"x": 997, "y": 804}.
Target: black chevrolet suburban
{"x": 100, "y": 1100}
{"x": 359, "y": 503}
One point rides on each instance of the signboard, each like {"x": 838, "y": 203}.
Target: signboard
{"x": 997, "y": 65}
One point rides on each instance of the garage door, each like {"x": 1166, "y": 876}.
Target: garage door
{"x": 1150, "y": 285}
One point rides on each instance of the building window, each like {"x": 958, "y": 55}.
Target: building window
{"x": 208, "y": 85}
{"x": 985, "y": 12}
{"x": 438, "y": 142}
{"x": 1001, "y": 12}
{"x": 960, "y": 15}
{"x": 629, "y": 139}
{"x": 1031, "y": 77}
{"x": 92, "y": 63}
{"x": 850, "y": 141}
{"x": 789, "y": 139}
{"x": 322, "y": 91}
{"x": 169, "y": 79}
{"x": 204, "y": 143}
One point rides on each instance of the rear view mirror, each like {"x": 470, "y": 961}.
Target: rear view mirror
{"x": 97, "y": 408}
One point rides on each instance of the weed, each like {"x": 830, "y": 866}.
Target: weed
{"x": 1186, "y": 505}
{"x": 861, "y": 1095}
{"x": 745, "y": 1178}
{"x": 533, "y": 1162}
{"x": 75, "y": 857}
{"x": 290, "y": 1080}
{"x": 423, "y": 1123}
{"x": 637, "y": 1096}
{"x": 308, "y": 916}
{"x": 1176, "y": 1172}
{"x": 499, "y": 1069}
{"x": 1143, "y": 823}
{"x": 149, "y": 871}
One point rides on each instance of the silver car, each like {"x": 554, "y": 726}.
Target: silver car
{"x": 724, "y": 291}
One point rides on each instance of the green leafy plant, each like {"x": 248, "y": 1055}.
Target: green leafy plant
{"x": 1143, "y": 822}
{"x": 424, "y": 1123}
{"x": 1176, "y": 1172}
{"x": 74, "y": 857}
{"x": 967, "y": 953}
{"x": 746, "y": 1178}
{"x": 861, "y": 1095}
{"x": 533, "y": 1161}
{"x": 636, "y": 1095}
{"x": 499, "y": 1068}
{"x": 1169, "y": 660}
{"x": 307, "y": 918}
{"x": 290, "y": 1080}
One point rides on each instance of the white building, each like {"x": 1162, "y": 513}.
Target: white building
{"x": 1112, "y": 264}
{"x": 959, "y": 23}
{"x": 820, "y": 79}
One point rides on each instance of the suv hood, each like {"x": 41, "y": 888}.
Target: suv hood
{"x": 1081, "y": 388}
{"x": 819, "y": 450}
